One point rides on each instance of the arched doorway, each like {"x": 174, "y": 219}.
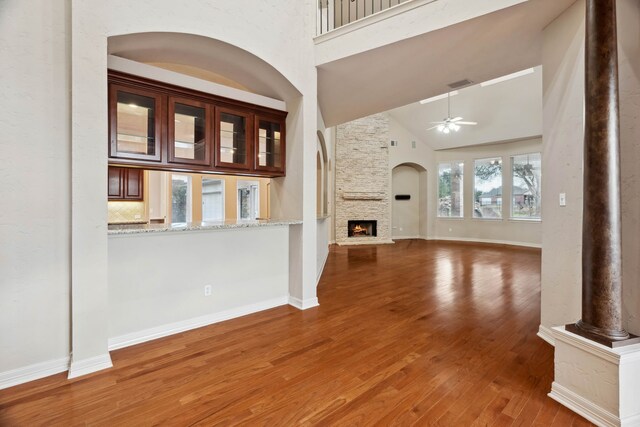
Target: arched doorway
{"x": 408, "y": 201}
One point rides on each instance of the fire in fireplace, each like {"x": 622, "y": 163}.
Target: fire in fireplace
{"x": 365, "y": 228}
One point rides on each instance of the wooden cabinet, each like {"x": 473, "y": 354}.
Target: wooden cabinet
{"x": 234, "y": 138}
{"x": 159, "y": 126}
{"x": 135, "y": 123}
{"x": 189, "y": 132}
{"x": 269, "y": 147}
{"x": 125, "y": 184}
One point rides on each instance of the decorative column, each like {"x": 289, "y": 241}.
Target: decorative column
{"x": 601, "y": 231}
{"x": 596, "y": 366}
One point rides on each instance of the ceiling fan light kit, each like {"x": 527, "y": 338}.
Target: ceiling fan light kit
{"x": 449, "y": 124}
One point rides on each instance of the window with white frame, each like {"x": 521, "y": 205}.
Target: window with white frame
{"x": 487, "y": 189}
{"x": 526, "y": 178}
{"x": 180, "y": 199}
{"x": 450, "y": 190}
{"x": 248, "y": 200}
{"x": 212, "y": 199}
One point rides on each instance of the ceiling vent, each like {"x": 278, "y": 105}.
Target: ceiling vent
{"x": 460, "y": 84}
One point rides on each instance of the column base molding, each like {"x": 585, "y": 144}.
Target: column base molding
{"x": 573, "y": 328}
{"x": 596, "y": 381}
{"x": 82, "y": 367}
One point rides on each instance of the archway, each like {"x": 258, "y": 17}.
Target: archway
{"x": 408, "y": 201}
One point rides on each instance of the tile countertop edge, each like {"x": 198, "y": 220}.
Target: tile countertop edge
{"x": 119, "y": 230}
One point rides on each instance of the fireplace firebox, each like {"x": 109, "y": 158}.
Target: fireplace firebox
{"x": 363, "y": 228}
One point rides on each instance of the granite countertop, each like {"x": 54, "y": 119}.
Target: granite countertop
{"x": 193, "y": 226}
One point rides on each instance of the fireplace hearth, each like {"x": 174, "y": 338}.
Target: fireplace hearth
{"x": 362, "y": 228}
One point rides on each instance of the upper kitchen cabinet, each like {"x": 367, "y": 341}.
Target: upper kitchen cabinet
{"x": 270, "y": 149}
{"x": 233, "y": 139}
{"x": 159, "y": 126}
{"x": 189, "y": 132}
{"x": 136, "y": 123}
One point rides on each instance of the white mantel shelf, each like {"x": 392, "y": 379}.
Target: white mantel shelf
{"x": 195, "y": 226}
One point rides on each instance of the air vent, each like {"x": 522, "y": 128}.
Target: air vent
{"x": 460, "y": 84}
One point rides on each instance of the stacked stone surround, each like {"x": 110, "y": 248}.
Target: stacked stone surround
{"x": 362, "y": 171}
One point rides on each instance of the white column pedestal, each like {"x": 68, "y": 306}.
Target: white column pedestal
{"x": 597, "y": 382}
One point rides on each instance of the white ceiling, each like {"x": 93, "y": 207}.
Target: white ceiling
{"x": 504, "y": 111}
{"x": 420, "y": 67}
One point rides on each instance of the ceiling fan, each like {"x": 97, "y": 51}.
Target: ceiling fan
{"x": 450, "y": 124}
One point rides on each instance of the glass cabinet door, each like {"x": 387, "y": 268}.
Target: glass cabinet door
{"x": 270, "y": 145}
{"x": 189, "y": 139}
{"x": 233, "y": 133}
{"x": 135, "y": 123}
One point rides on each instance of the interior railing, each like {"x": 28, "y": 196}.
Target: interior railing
{"x": 334, "y": 14}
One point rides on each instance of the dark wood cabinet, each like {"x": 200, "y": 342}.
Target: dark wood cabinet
{"x": 125, "y": 184}
{"x": 136, "y": 118}
{"x": 234, "y": 136}
{"x": 189, "y": 132}
{"x": 155, "y": 125}
{"x": 269, "y": 147}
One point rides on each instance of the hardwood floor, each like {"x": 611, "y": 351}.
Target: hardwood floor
{"x": 416, "y": 333}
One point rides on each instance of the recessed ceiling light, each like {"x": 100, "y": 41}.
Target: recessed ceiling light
{"x": 437, "y": 98}
{"x": 508, "y": 77}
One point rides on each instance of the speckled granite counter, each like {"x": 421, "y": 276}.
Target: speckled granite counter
{"x": 220, "y": 225}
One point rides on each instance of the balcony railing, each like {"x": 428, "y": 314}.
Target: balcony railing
{"x": 334, "y": 14}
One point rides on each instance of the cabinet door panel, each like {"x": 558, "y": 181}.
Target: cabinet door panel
{"x": 136, "y": 123}
{"x": 189, "y": 132}
{"x": 114, "y": 184}
{"x": 270, "y": 145}
{"x": 233, "y": 139}
{"x": 133, "y": 184}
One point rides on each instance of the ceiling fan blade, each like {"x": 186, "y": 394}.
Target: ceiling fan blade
{"x": 434, "y": 127}
{"x": 467, "y": 123}
{"x": 438, "y": 123}
{"x": 456, "y": 119}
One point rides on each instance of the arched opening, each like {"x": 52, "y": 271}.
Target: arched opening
{"x": 409, "y": 201}
{"x": 322, "y": 179}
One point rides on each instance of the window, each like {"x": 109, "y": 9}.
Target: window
{"x": 487, "y": 190}
{"x": 248, "y": 200}
{"x": 450, "y": 190}
{"x": 212, "y": 199}
{"x": 180, "y": 199}
{"x": 526, "y": 176}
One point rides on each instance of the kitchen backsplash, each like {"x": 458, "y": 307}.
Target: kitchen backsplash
{"x": 126, "y": 212}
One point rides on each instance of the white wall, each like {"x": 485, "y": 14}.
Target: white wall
{"x": 405, "y": 214}
{"x": 151, "y": 291}
{"x": 35, "y": 218}
{"x": 422, "y": 157}
{"x": 56, "y": 218}
{"x": 563, "y": 62}
{"x": 505, "y": 230}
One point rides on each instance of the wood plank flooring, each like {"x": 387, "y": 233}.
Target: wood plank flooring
{"x": 416, "y": 333}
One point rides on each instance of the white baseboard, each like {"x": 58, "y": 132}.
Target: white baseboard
{"x": 197, "y": 322}
{"x": 33, "y": 372}
{"x": 88, "y": 366}
{"x": 586, "y": 408}
{"x": 546, "y": 334}
{"x": 303, "y": 304}
{"x": 406, "y": 237}
{"x": 495, "y": 242}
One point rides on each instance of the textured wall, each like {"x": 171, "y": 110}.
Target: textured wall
{"x": 362, "y": 165}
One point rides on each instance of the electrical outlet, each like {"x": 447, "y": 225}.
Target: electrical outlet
{"x": 563, "y": 199}
{"x": 207, "y": 290}
{"x": 138, "y": 216}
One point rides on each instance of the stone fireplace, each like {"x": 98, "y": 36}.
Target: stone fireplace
{"x": 363, "y": 182}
